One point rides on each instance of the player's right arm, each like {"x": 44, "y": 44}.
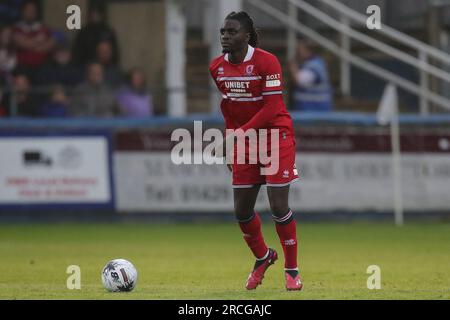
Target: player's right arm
{"x": 228, "y": 122}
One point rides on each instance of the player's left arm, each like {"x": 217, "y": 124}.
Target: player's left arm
{"x": 272, "y": 92}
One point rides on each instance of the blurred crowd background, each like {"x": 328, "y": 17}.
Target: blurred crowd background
{"x": 116, "y": 65}
{"x": 46, "y": 74}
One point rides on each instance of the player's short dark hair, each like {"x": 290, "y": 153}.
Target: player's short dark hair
{"x": 247, "y": 23}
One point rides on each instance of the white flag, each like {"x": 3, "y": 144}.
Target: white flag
{"x": 388, "y": 107}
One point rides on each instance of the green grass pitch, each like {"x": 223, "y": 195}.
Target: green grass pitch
{"x": 211, "y": 261}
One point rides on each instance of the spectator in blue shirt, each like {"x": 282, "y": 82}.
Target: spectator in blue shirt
{"x": 135, "y": 100}
{"x": 312, "y": 84}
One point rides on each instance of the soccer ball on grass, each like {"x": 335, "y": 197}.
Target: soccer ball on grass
{"x": 119, "y": 275}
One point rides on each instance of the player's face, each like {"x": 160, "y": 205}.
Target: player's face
{"x": 233, "y": 37}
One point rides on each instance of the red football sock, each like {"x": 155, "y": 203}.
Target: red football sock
{"x": 286, "y": 229}
{"x": 253, "y": 236}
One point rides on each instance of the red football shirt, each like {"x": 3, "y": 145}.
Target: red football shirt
{"x": 31, "y": 57}
{"x": 251, "y": 91}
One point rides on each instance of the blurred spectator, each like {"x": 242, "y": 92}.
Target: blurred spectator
{"x": 3, "y": 106}
{"x": 95, "y": 31}
{"x": 113, "y": 76}
{"x": 309, "y": 73}
{"x": 7, "y": 55}
{"x": 32, "y": 39}
{"x": 58, "y": 104}
{"x": 94, "y": 97}
{"x": 21, "y": 100}
{"x": 134, "y": 99}
{"x": 59, "y": 70}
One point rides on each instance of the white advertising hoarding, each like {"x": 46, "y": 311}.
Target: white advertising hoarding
{"x": 150, "y": 182}
{"x": 54, "y": 170}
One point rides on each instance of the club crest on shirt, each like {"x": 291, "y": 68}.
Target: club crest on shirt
{"x": 220, "y": 71}
{"x": 249, "y": 69}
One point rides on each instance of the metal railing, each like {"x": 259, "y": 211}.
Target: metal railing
{"x": 343, "y": 26}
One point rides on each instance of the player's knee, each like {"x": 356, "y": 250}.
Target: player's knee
{"x": 243, "y": 214}
{"x": 279, "y": 209}
{"x": 243, "y": 210}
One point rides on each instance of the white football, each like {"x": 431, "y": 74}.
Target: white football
{"x": 119, "y": 275}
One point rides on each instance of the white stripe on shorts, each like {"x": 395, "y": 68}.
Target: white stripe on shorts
{"x": 281, "y": 184}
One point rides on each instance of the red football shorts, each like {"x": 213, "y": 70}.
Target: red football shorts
{"x": 284, "y": 173}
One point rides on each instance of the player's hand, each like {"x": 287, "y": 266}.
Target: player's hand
{"x": 222, "y": 148}
{"x": 229, "y": 166}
